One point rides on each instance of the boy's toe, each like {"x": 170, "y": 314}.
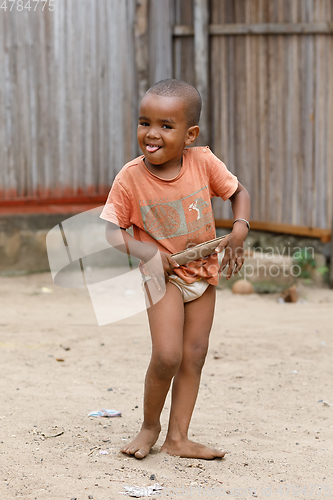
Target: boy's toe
{"x": 140, "y": 454}
{"x": 219, "y": 453}
{"x": 131, "y": 450}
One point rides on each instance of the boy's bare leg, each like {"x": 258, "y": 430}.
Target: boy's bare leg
{"x": 198, "y": 321}
{"x": 166, "y": 320}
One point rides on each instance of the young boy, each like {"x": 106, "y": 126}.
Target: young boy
{"x": 166, "y": 196}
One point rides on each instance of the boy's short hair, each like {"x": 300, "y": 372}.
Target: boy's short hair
{"x": 178, "y": 88}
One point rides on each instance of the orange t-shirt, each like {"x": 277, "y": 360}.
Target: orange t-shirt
{"x": 174, "y": 214}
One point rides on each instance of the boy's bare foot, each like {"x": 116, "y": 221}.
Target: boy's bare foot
{"x": 188, "y": 449}
{"x": 141, "y": 445}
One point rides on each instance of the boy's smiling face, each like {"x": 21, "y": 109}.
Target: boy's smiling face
{"x": 163, "y": 132}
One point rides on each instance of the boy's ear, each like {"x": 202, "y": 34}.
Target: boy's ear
{"x": 192, "y": 134}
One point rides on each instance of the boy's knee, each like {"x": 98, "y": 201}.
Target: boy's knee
{"x": 166, "y": 364}
{"x": 195, "y": 355}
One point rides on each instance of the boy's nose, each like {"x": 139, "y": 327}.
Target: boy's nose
{"x": 152, "y": 133}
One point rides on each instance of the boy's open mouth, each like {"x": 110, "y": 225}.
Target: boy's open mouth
{"x": 151, "y": 148}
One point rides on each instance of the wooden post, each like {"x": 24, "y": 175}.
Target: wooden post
{"x": 201, "y": 59}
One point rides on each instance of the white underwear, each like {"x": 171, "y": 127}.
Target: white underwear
{"x": 189, "y": 291}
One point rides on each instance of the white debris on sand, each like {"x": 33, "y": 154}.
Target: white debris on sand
{"x": 142, "y": 491}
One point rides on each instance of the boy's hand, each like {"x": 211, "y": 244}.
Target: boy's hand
{"x": 160, "y": 274}
{"x": 234, "y": 254}
{"x": 168, "y": 264}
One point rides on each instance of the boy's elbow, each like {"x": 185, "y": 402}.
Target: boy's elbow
{"x": 113, "y": 234}
{"x": 240, "y": 189}
{"x": 110, "y": 226}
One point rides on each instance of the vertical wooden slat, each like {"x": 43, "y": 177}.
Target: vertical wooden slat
{"x": 324, "y": 91}
{"x": 62, "y": 15}
{"x": 231, "y": 101}
{"x": 5, "y": 80}
{"x": 80, "y": 54}
{"x": 89, "y": 124}
{"x": 318, "y": 153}
{"x": 73, "y": 83}
{"x": 177, "y": 44}
{"x": 160, "y": 40}
{"x": 141, "y": 47}
{"x": 102, "y": 108}
{"x": 262, "y": 107}
{"x": 217, "y": 91}
{"x": 11, "y": 105}
{"x": 307, "y": 116}
{"x": 240, "y": 97}
{"x": 117, "y": 96}
{"x": 184, "y": 47}
{"x": 201, "y": 63}
{"x": 15, "y": 160}
{"x": 279, "y": 67}
{"x": 114, "y": 91}
{"x": 324, "y": 201}
{"x": 41, "y": 103}
{"x": 19, "y": 133}
{"x": 124, "y": 68}
{"x": 3, "y": 94}
{"x": 93, "y": 177}
{"x": 271, "y": 167}
{"x": 290, "y": 134}
{"x": 130, "y": 84}
{"x": 51, "y": 71}
{"x": 223, "y": 118}
{"x": 279, "y": 62}
{"x": 329, "y": 126}
{"x": 26, "y": 141}
{"x": 250, "y": 174}
{"x": 297, "y": 164}
{"x": 253, "y": 120}
{"x": 45, "y": 181}
{"x": 329, "y": 142}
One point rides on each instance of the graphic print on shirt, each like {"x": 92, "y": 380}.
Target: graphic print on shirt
{"x": 178, "y": 217}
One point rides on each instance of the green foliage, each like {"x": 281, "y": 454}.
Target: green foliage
{"x": 323, "y": 271}
{"x": 306, "y": 261}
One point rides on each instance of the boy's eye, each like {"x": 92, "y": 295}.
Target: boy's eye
{"x": 145, "y": 124}
{"x": 166, "y": 126}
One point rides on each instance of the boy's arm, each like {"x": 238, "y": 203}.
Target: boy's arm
{"x": 120, "y": 239}
{"x": 234, "y": 242}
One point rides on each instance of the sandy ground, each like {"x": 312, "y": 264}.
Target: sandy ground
{"x": 266, "y": 397}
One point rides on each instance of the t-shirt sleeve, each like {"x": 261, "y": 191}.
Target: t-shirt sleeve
{"x": 118, "y": 206}
{"x": 222, "y": 182}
